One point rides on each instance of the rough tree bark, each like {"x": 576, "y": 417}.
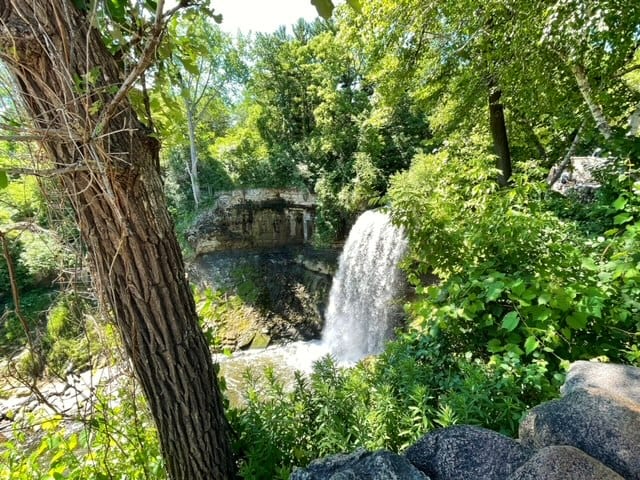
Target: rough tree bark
{"x": 67, "y": 80}
{"x": 498, "y": 129}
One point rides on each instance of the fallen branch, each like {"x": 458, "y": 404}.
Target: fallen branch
{"x": 555, "y": 175}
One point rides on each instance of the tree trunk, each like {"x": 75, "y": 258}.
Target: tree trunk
{"x": 634, "y": 122}
{"x": 587, "y": 93}
{"x": 192, "y": 165}
{"x": 498, "y": 129}
{"x": 116, "y": 193}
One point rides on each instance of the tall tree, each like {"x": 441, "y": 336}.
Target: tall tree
{"x": 75, "y": 91}
{"x": 195, "y": 87}
{"x": 597, "y": 40}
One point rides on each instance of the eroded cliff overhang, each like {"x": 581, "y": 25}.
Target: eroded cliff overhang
{"x": 254, "y": 219}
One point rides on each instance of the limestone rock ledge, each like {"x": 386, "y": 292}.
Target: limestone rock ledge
{"x": 591, "y": 433}
{"x": 254, "y": 219}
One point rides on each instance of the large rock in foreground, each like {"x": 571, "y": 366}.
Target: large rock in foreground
{"x": 563, "y": 463}
{"x": 360, "y": 465}
{"x": 467, "y": 452}
{"x": 613, "y": 379}
{"x": 603, "y": 426}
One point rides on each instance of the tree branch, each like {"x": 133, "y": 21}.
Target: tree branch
{"x": 146, "y": 59}
{"x": 15, "y": 293}
{"x": 622, "y": 72}
{"x": 48, "y": 173}
{"x": 587, "y": 93}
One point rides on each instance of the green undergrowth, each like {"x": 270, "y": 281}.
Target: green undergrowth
{"x": 515, "y": 277}
{"x": 70, "y": 335}
{"x": 386, "y": 402}
{"x": 117, "y": 441}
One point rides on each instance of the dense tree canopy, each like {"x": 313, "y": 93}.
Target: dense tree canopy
{"x": 447, "y": 114}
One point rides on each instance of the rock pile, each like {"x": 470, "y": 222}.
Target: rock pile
{"x": 591, "y": 433}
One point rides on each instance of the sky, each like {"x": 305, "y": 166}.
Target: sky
{"x": 261, "y": 15}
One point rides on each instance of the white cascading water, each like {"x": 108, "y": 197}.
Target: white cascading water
{"x": 363, "y": 307}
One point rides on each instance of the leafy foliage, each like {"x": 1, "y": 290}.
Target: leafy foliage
{"x": 515, "y": 279}
{"x": 526, "y": 281}
{"x": 387, "y": 402}
{"x": 118, "y": 441}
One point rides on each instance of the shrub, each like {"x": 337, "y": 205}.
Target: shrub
{"x": 64, "y": 319}
{"x": 515, "y": 278}
{"x": 386, "y": 402}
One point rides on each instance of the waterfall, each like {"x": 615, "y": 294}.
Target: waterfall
{"x": 363, "y": 308}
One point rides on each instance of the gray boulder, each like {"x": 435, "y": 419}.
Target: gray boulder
{"x": 563, "y": 463}
{"x": 603, "y": 426}
{"x": 360, "y": 465}
{"x": 614, "y": 379}
{"x": 467, "y": 452}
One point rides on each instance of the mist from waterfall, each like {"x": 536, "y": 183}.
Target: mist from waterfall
{"x": 363, "y": 307}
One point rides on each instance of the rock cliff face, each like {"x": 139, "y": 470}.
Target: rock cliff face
{"x": 578, "y": 177}
{"x": 287, "y": 288}
{"x": 254, "y": 219}
{"x": 591, "y": 433}
{"x": 256, "y": 244}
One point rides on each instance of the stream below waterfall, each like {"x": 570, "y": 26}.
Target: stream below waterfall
{"x": 284, "y": 360}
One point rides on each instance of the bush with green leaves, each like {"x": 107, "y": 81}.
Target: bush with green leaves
{"x": 64, "y": 319}
{"x": 515, "y": 279}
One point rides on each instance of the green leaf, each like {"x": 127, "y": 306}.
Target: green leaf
{"x": 622, "y": 218}
{"x": 512, "y": 347}
{"x": 190, "y": 65}
{"x": 494, "y": 290}
{"x": 510, "y": 321}
{"x": 356, "y": 5}
{"x": 531, "y": 344}
{"x": 115, "y": 10}
{"x": 589, "y": 264}
{"x": 518, "y": 287}
{"x": 620, "y": 203}
{"x": 4, "y": 180}
{"x": 324, "y": 7}
{"x": 577, "y": 320}
{"x": 494, "y": 346}
{"x": 544, "y": 298}
{"x": 560, "y": 300}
